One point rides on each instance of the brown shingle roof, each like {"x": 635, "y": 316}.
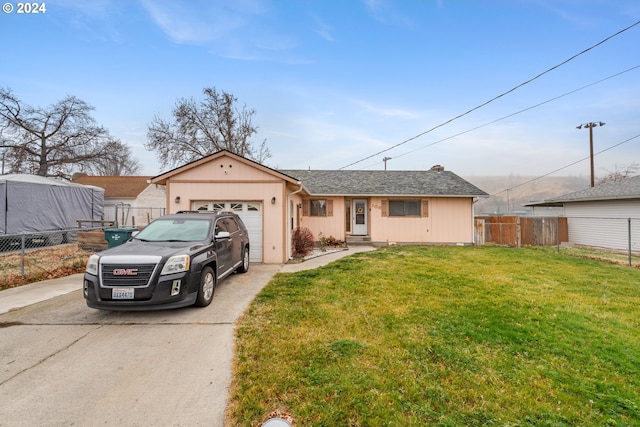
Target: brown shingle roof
{"x": 116, "y": 186}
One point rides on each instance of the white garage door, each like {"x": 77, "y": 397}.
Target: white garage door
{"x": 251, "y": 214}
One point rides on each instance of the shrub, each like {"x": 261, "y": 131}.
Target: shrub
{"x": 330, "y": 242}
{"x": 303, "y": 242}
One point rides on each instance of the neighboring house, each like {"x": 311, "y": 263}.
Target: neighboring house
{"x": 382, "y": 207}
{"x": 129, "y": 200}
{"x": 604, "y": 216}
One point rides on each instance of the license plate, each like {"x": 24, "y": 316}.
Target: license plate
{"x": 122, "y": 293}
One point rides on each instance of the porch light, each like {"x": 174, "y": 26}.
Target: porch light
{"x": 177, "y": 200}
{"x": 273, "y": 200}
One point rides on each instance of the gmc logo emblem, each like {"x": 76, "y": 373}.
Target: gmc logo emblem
{"x": 125, "y": 271}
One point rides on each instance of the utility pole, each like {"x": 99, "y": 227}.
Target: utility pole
{"x": 591, "y": 125}
{"x": 385, "y": 162}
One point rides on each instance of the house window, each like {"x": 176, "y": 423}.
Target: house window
{"x": 253, "y": 207}
{"x": 236, "y": 207}
{"x": 410, "y": 207}
{"x": 319, "y": 207}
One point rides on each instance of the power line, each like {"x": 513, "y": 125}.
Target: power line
{"x": 520, "y": 111}
{"x": 494, "y": 98}
{"x": 513, "y": 114}
{"x": 566, "y": 166}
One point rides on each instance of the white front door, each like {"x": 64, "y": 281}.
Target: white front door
{"x": 360, "y": 217}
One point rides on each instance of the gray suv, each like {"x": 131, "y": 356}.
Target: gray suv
{"x": 175, "y": 261}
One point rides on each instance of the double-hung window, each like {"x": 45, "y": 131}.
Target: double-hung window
{"x": 405, "y": 208}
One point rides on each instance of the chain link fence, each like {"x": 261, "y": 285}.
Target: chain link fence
{"x": 30, "y": 257}
{"x": 37, "y": 255}
{"x": 32, "y": 240}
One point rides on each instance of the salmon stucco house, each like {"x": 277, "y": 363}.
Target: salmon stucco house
{"x": 382, "y": 207}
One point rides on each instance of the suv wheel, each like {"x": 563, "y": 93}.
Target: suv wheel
{"x": 245, "y": 261}
{"x": 207, "y": 287}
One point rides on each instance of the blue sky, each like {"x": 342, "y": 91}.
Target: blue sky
{"x": 334, "y": 82}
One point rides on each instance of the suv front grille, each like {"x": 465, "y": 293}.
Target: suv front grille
{"x": 126, "y": 274}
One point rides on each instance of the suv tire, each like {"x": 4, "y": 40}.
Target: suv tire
{"x": 207, "y": 287}
{"x": 245, "y": 261}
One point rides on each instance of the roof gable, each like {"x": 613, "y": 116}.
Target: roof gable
{"x": 181, "y": 170}
{"x": 388, "y": 183}
{"x": 116, "y": 186}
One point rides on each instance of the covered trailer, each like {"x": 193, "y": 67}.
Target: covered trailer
{"x": 32, "y": 204}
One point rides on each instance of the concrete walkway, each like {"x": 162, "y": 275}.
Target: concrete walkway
{"x": 22, "y": 296}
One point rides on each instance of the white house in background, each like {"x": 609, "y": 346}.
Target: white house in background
{"x": 129, "y": 200}
{"x": 604, "y": 216}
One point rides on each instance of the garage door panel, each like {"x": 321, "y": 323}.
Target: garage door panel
{"x": 251, "y": 214}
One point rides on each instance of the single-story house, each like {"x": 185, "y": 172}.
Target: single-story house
{"x": 129, "y": 200}
{"x": 604, "y": 216}
{"x": 381, "y": 207}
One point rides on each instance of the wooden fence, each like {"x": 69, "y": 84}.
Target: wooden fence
{"x": 521, "y": 231}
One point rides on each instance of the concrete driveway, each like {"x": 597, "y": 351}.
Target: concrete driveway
{"x": 62, "y": 363}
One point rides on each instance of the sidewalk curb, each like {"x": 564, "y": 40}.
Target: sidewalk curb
{"x": 33, "y": 293}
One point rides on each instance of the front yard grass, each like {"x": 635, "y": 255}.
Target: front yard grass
{"x": 448, "y": 336}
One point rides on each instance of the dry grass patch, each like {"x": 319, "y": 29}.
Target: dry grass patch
{"x": 41, "y": 264}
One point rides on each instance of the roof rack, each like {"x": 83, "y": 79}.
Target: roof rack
{"x": 202, "y": 212}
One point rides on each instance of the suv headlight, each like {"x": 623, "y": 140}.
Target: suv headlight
{"x": 176, "y": 264}
{"x": 92, "y": 265}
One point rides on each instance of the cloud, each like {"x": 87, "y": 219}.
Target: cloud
{"x": 323, "y": 29}
{"x": 97, "y": 19}
{"x": 384, "y": 12}
{"x": 194, "y": 23}
{"x": 386, "y": 112}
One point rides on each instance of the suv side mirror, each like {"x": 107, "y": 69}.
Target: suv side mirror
{"x": 222, "y": 235}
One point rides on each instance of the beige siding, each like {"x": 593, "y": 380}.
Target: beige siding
{"x": 328, "y": 226}
{"x": 452, "y": 220}
{"x": 398, "y": 229}
{"x": 448, "y": 220}
{"x": 226, "y": 179}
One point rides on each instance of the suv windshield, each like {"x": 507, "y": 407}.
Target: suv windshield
{"x": 183, "y": 230}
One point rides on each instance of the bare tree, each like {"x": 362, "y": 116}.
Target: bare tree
{"x": 118, "y": 162}
{"x": 50, "y": 141}
{"x": 620, "y": 173}
{"x": 202, "y": 128}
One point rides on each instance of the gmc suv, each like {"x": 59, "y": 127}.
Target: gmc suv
{"x": 175, "y": 261}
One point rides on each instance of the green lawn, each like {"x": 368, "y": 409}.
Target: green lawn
{"x": 448, "y": 336}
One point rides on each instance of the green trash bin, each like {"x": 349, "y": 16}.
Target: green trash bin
{"x": 117, "y": 236}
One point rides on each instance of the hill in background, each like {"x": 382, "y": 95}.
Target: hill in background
{"x": 508, "y": 194}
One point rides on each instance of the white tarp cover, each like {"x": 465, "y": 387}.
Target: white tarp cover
{"x": 31, "y": 203}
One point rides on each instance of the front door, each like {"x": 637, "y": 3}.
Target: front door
{"x": 360, "y": 217}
